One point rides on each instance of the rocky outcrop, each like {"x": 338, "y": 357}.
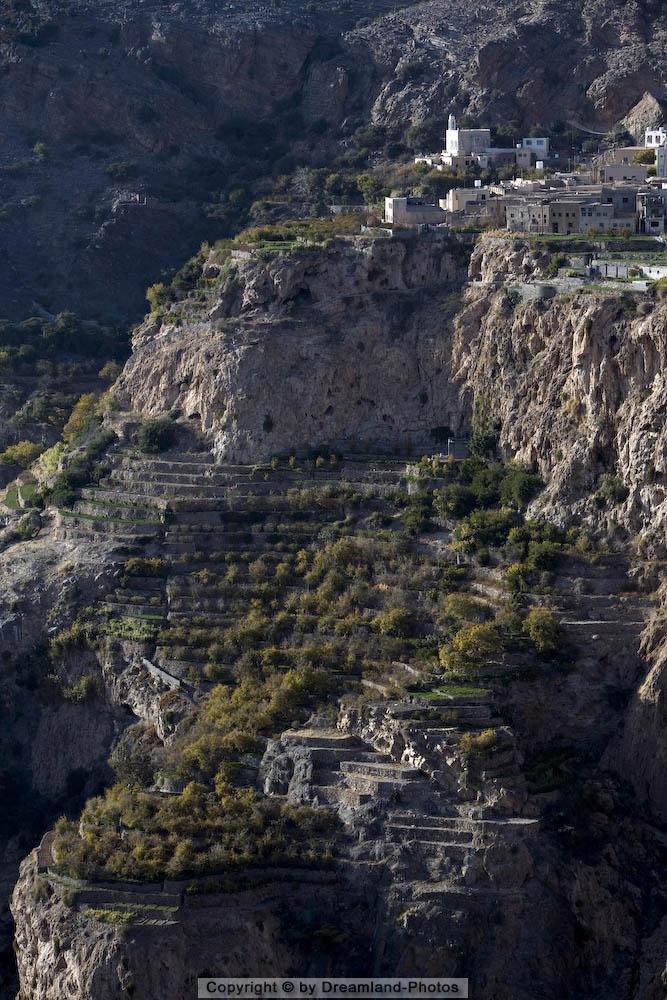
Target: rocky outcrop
{"x": 371, "y": 342}
{"x": 69, "y": 945}
{"x": 347, "y": 346}
{"x": 647, "y": 113}
{"x": 540, "y": 62}
{"x": 576, "y": 386}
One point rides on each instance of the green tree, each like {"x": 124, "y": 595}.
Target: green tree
{"x": 155, "y": 436}
{"x": 543, "y": 630}
{"x": 22, "y": 453}
{"x": 372, "y": 188}
{"x": 81, "y": 417}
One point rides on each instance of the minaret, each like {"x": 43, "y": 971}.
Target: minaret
{"x": 452, "y": 136}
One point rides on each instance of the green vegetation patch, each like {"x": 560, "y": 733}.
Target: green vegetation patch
{"x": 109, "y": 916}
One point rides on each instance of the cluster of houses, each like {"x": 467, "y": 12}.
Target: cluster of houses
{"x": 614, "y": 195}
{"x": 471, "y": 147}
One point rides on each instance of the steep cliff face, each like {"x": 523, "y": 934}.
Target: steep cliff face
{"x": 533, "y": 62}
{"x": 348, "y": 347}
{"x": 77, "y": 951}
{"x": 54, "y": 750}
{"x": 379, "y": 343}
{"x": 576, "y": 385}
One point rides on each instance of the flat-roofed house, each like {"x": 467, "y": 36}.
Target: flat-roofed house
{"x": 655, "y": 137}
{"x": 596, "y": 216}
{"x": 624, "y": 172}
{"x": 564, "y": 217}
{"x": 412, "y": 212}
{"x": 538, "y": 145}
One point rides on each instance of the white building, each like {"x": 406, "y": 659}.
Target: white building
{"x": 661, "y": 161}
{"x": 655, "y": 137}
{"x": 412, "y": 212}
{"x": 463, "y": 141}
{"x": 538, "y": 145}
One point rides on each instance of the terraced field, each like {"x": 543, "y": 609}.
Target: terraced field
{"x": 338, "y": 573}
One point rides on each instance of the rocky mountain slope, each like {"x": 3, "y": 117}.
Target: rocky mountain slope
{"x": 386, "y": 341}
{"x": 578, "y": 379}
{"x": 311, "y": 347}
{"x": 483, "y": 821}
{"x": 125, "y": 130}
{"x": 532, "y": 62}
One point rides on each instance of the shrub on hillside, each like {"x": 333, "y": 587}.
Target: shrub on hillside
{"x": 158, "y": 296}
{"x": 612, "y": 491}
{"x": 485, "y": 528}
{"x": 471, "y": 646}
{"x": 155, "y": 436}
{"x": 23, "y": 453}
{"x": 518, "y": 487}
{"x": 479, "y": 485}
{"x": 543, "y": 630}
{"x": 462, "y": 608}
{"x": 396, "y": 622}
{"x": 110, "y": 371}
{"x": 138, "y": 566}
{"x": 83, "y": 415}
{"x": 454, "y": 501}
{"x": 477, "y": 744}
{"x": 416, "y": 517}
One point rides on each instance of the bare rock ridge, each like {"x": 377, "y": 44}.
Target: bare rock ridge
{"x": 330, "y": 346}
{"x": 579, "y": 385}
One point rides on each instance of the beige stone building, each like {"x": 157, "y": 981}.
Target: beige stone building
{"x": 412, "y": 212}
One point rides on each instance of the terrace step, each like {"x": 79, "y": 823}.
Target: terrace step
{"x": 511, "y": 826}
{"x": 326, "y": 777}
{"x": 380, "y": 770}
{"x": 326, "y": 795}
{"x": 402, "y": 833}
{"x": 455, "y": 851}
{"x": 105, "y": 511}
{"x": 453, "y": 701}
{"x": 104, "y": 495}
{"x": 322, "y": 756}
{"x": 176, "y": 457}
{"x": 320, "y": 738}
{"x": 135, "y": 610}
{"x": 122, "y": 532}
{"x": 445, "y": 733}
{"x": 106, "y": 896}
